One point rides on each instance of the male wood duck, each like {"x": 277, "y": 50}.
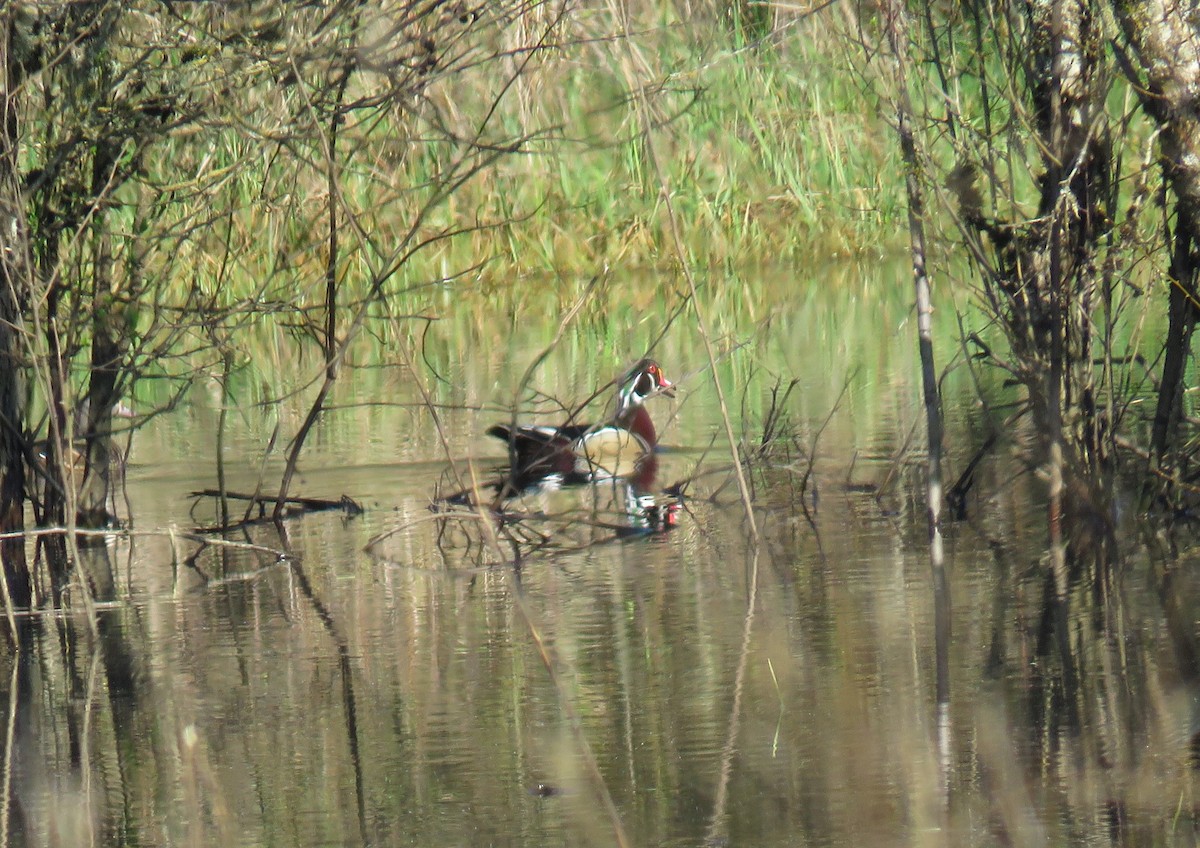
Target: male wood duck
{"x": 572, "y": 454}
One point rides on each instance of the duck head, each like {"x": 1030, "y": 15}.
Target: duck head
{"x": 640, "y": 383}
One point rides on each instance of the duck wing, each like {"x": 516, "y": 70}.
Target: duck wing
{"x": 531, "y": 435}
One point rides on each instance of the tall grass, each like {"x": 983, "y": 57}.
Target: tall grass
{"x": 760, "y": 130}
{"x": 770, "y": 155}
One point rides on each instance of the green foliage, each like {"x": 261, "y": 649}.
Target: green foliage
{"x": 767, "y": 151}
{"x": 455, "y": 157}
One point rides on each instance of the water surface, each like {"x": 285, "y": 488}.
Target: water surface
{"x": 671, "y": 688}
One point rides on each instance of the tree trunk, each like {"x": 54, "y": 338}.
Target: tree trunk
{"x": 107, "y": 348}
{"x": 14, "y": 256}
{"x": 1165, "y": 37}
{"x": 60, "y": 458}
{"x": 1181, "y": 322}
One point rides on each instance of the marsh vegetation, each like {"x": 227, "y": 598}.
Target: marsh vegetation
{"x": 270, "y": 272}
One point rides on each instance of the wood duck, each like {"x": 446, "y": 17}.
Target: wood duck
{"x": 572, "y": 454}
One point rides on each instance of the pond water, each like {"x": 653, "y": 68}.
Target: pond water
{"x": 668, "y": 687}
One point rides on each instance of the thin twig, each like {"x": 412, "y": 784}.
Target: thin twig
{"x": 643, "y": 110}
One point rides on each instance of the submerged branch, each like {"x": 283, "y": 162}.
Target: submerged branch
{"x": 287, "y": 508}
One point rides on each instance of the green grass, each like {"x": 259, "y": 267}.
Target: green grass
{"x": 770, "y": 152}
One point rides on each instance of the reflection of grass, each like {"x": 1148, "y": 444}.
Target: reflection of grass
{"x": 770, "y": 324}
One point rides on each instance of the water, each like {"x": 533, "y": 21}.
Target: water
{"x": 663, "y": 688}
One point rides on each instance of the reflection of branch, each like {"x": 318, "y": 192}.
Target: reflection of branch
{"x": 86, "y": 769}
{"x": 10, "y": 729}
{"x": 14, "y": 641}
{"x": 571, "y": 715}
{"x": 717, "y": 823}
{"x": 132, "y": 534}
{"x": 348, "y": 698}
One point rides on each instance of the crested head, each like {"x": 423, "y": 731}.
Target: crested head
{"x": 644, "y": 380}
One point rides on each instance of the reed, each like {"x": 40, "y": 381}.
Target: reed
{"x": 768, "y": 150}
